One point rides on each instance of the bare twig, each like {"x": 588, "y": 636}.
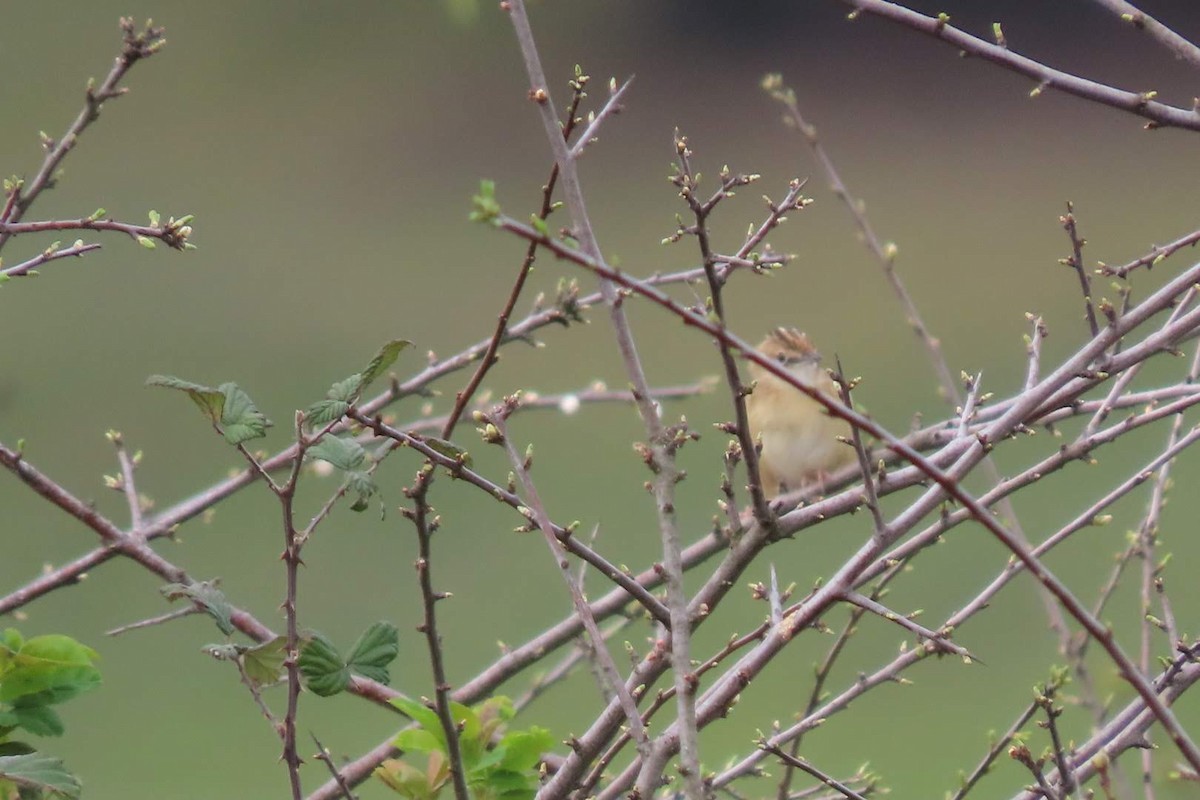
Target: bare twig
{"x": 608, "y": 668}
{"x": 135, "y": 47}
{"x": 1075, "y": 262}
{"x": 50, "y": 254}
{"x": 1143, "y": 104}
{"x": 1180, "y": 47}
{"x": 661, "y": 459}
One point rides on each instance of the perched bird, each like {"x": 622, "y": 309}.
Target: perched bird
{"x": 798, "y": 436}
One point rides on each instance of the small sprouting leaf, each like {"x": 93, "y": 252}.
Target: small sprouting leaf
{"x": 240, "y": 418}
{"x": 206, "y": 595}
{"x": 386, "y": 356}
{"x": 345, "y": 454}
{"x": 374, "y": 650}
{"x": 448, "y": 449}
{"x": 155, "y": 219}
{"x": 40, "y": 771}
{"x": 484, "y": 207}
{"x": 264, "y": 663}
{"x": 147, "y": 242}
{"x": 324, "y": 671}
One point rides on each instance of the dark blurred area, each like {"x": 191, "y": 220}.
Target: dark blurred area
{"x": 330, "y": 150}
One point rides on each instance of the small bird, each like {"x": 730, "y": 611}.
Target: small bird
{"x": 798, "y": 436}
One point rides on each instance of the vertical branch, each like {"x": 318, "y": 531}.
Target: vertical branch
{"x": 426, "y": 526}
{"x": 661, "y": 458}
{"x": 128, "y": 484}
{"x": 291, "y": 560}
{"x": 1147, "y": 541}
{"x": 686, "y": 180}
{"x": 1075, "y": 262}
{"x": 489, "y": 355}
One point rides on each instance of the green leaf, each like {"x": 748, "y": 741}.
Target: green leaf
{"x": 424, "y": 716}
{"x": 208, "y": 597}
{"x": 264, "y": 664}
{"x": 470, "y": 727}
{"x": 227, "y": 407}
{"x": 324, "y": 671}
{"x": 345, "y": 454}
{"x": 386, "y": 356}
{"x": 348, "y": 390}
{"x": 39, "y": 771}
{"x": 523, "y": 749}
{"x": 49, "y": 669}
{"x": 364, "y": 485}
{"x": 338, "y": 400}
{"x": 241, "y": 420}
{"x": 147, "y": 242}
{"x": 374, "y": 650}
{"x": 39, "y": 720}
{"x": 210, "y": 401}
{"x": 448, "y": 449}
{"x": 154, "y": 219}
{"x": 418, "y": 740}
{"x": 323, "y": 412}
{"x": 410, "y": 782}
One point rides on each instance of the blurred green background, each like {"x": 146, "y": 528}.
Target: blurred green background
{"x": 329, "y": 151}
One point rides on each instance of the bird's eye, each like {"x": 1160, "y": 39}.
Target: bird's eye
{"x": 782, "y": 358}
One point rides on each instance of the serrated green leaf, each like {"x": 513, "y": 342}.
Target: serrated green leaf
{"x": 39, "y": 771}
{"x": 345, "y": 454}
{"x": 208, "y": 597}
{"x": 449, "y": 450}
{"x": 375, "y": 649}
{"x": 325, "y": 673}
{"x": 346, "y": 390}
{"x": 264, "y": 664}
{"x": 386, "y": 356}
{"x": 338, "y": 400}
{"x": 210, "y": 401}
{"x": 323, "y": 412}
{"x": 241, "y": 420}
